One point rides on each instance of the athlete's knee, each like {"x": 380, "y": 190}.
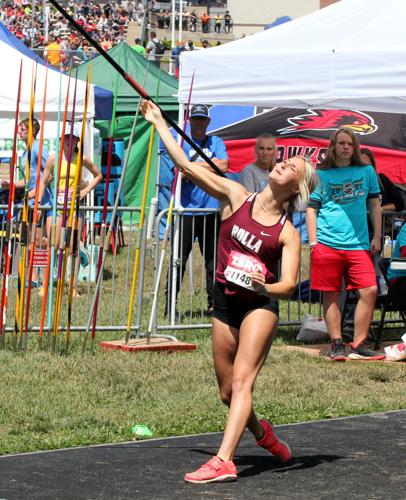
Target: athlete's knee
{"x": 240, "y": 383}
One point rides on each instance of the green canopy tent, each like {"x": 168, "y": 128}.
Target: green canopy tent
{"x": 161, "y": 86}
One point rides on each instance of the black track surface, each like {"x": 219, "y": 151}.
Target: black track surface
{"x": 358, "y": 457}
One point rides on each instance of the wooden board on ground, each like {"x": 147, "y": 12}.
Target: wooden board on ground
{"x": 154, "y": 344}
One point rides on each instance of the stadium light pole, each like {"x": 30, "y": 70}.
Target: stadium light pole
{"x": 144, "y": 37}
{"x": 172, "y": 34}
{"x": 180, "y": 20}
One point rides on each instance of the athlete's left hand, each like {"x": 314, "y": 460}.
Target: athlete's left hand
{"x": 258, "y": 282}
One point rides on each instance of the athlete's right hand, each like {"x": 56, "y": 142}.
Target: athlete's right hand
{"x": 258, "y": 283}
{"x": 150, "y": 111}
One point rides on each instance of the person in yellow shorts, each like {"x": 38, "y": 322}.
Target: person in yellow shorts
{"x": 70, "y": 151}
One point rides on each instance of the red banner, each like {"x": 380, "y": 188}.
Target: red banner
{"x": 307, "y": 132}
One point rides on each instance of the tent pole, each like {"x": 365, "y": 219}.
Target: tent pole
{"x": 180, "y": 20}
{"x": 172, "y": 35}
{"x": 176, "y": 232}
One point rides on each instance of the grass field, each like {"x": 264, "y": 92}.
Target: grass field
{"x": 49, "y": 401}
{"x": 53, "y": 400}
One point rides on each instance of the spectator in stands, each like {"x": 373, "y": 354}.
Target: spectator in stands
{"x": 391, "y": 196}
{"x": 339, "y": 241}
{"x": 228, "y": 22}
{"x": 203, "y": 226}
{"x": 138, "y": 47}
{"x": 205, "y": 44}
{"x": 52, "y": 53}
{"x": 217, "y": 23}
{"x": 160, "y": 17}
{"x": 167, "y": 19}
{"x": 176, "y": 20}
{"x": 255, "y": 176}
{"x": 139, "y": 12}
{"x": 193, "y": 21}
{"x": 185, "y": 20}
{"x": 107, "y": 10}
{"x": 190, "y": 45}
{"x": 205, "y": 20}
{"x": 91, "y": 17}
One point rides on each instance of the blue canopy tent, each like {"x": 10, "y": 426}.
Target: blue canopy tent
{"x": 278, "y": 21}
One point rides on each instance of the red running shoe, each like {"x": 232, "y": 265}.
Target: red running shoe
{"x": 213, "y": 470}
{"x": 271, "y": 443}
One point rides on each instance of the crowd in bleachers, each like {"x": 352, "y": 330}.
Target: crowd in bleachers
{"x": 106, "y": 21}
{"x": 191, "y": 21}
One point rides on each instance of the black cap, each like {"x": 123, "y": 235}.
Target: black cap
{"x": 199, "y": 110}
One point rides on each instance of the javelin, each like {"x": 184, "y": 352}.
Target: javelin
{"x": 31, "y": 250}
{"x": 9, "y": 227}
{"x": 113, "y": 218}
{"x": 136, "y": 86}
{"x": 167, "y": 225}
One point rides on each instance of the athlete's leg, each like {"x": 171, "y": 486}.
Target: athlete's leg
{"x": 254, "y": 341}
{"x": 225, "y": 345}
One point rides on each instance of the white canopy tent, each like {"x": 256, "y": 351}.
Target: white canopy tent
{"x": 10, "y": 59}
{"x": 350, "y": 55}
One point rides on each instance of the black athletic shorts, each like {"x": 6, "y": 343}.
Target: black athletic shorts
{"x": 231, "y": 309}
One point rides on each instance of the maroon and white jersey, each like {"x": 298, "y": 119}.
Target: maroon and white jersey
{"x": 244, "y": 246}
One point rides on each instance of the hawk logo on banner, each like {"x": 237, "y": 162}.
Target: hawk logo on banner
{"x": 359, "y": 122}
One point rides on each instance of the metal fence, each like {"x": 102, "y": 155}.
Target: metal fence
{"x": 114, "y": 293}
{"x": 189, "y": 311}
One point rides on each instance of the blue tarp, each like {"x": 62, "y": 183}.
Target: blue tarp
{"x": 278, "y": 21}
{"x": 103, "y": 98}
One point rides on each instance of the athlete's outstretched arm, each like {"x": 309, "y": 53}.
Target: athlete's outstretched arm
{"x": 219, "y": 187}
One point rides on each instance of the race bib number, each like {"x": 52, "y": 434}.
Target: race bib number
{"x": 240, "y": 266}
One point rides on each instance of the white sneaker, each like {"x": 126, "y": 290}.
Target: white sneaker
{"x": 396, "y": 352}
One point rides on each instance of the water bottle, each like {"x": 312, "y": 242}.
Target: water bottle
{"x": 382, "y": 286}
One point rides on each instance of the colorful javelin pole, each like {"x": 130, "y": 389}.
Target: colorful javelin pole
{"x": 136, "y": 86}
{"x": 48, "y": 278}
{"x": 76, "y": 197}
{"x": 64, "y": 240}
{"x": 113, "y": 217}
{"x": 140, "y": 231}
{"x": 9, "y": 228}
{"x": 35, "y": 209}
{"x": 168, "y": 223}
{"x": 105, "y": 199}
{"x": 18, "y": 325}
